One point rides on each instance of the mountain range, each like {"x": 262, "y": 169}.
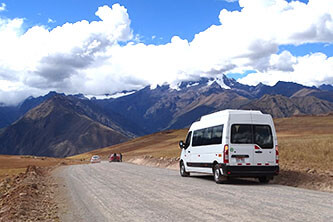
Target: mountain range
{"x": 62, "y": 125}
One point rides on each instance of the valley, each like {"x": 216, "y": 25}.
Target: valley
{"x": 166, "y": 110}
{"x": 305, "y": 144}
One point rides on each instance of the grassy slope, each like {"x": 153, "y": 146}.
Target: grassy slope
{"x": 304, "y": 143}
{"x": 162, "y": 144}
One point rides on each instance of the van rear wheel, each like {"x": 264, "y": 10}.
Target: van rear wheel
{"x": 182, "y": 170}
{"x": 218, "y": 177}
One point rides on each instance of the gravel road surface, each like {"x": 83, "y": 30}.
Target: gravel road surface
{"x": 128, "y": 192}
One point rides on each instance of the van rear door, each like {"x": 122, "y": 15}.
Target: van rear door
{"x": 264, "y": 154}
{"x": 241, "y": 147}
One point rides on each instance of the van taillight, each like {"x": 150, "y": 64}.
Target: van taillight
{"x": 226, "y": 154}
{"x": 277, "y": 153}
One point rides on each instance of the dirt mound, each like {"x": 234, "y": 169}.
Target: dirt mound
{"x": 28, "y": 196}
{"x": 309, "y": 179}
{"x": 162, "y": 162}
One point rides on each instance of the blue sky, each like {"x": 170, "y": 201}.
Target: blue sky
{"x": 160, "y": 18}
{"x": 305, "y": 49}
{"x": 97, "y": 47}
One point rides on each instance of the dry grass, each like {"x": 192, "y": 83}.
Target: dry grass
{"x": 13, "y": 165}
{"x": 307, "y": 152}
{"x": 306, "y": 142}
{"x": 162, "y": 144}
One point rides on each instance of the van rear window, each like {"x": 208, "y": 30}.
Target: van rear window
{"x": 263, "y": 136}
{"x": 241, "y": 134}
{"x": 252, "y": 134}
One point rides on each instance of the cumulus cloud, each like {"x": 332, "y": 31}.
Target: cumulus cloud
{"x": 313, "y": 69}
{"x": 282, "y": 62}
{"x": 87, "y": 57}
{"x": 48, "y": 59}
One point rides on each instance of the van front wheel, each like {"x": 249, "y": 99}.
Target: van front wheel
{"x": 218, "y": 177}
{"x": 182, "y": 170}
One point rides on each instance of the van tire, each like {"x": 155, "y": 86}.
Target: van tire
{"x": 182, "y": 170}
{"x": 218, "y": 177}
{"x": 263, "y": 180}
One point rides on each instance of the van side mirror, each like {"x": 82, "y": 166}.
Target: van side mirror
{"x": 181, "y": 144}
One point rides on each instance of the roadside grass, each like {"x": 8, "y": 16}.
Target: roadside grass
{"x": 306, "y": 142}
{"x": 305, "y": 152}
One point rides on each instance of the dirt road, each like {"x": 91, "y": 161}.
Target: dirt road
{"x": 127, "y": 192}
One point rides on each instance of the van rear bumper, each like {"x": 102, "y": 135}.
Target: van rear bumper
{"x": 249, "y": 171}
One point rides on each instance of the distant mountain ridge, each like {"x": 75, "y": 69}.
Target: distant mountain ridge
{"x": 142, "y": 111}
{"x": 57, "y": 127}
{"x": 15, "y": 112}
{"x": 166, "y": 108}
{"x": 131, "y": 114}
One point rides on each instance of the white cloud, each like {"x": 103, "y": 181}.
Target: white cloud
{"x": 314, "y": 69}
{"x": 2, "y": 7}
{"x": 282, "y": 62}
{"x": 43, "y": 60}
{"x": 86, "y": 57}
{"x": 251, "y": 38}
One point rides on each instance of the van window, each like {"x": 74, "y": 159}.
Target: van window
{"x": 263, "y": 136}
{"x": 208, "y": 136}
{"x": 241, "y": 134}
{"x": 188, "y": 139}
{"x": 217, "y": 134}
{"x": 252, "y": 134}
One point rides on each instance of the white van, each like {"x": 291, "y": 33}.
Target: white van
{"x": 231, "y": 143}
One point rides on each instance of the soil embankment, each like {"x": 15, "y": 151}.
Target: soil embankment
{"x": 28, "y": 196}
{"x": 27, "y": 189}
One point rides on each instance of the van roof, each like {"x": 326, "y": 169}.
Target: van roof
{"x": 233, "y": 116}
{"x": 229, "y": 112}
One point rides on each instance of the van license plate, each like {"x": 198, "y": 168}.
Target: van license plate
{"x": 240, "y": 160}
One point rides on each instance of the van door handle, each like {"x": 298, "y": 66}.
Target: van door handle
{"x": 258, "y": 151}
